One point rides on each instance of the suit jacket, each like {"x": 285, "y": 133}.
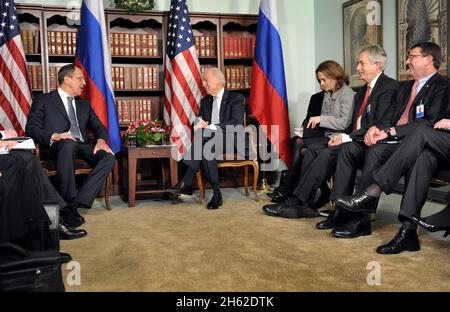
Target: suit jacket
{"x": 231, "y": 109}
{"x": 231, "y": 113}
{"x": 314, "y": 109}
{"x": 48, "y": 115}
{"x": 435, "y": 97}
{"x": 380, "y": 108}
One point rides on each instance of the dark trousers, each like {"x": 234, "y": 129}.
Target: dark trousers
{"x": 196, "y": 158}
{"x": 300, "y": 150}
{"x": 44, "y": 188}
{"x": 20, "y": 205}
{"x": 354, "y": 155}
{"x": 438, "y": 142}
{"x": 319, "y": 164}
{"x": 298, "y": 147}
{"x": 65, "y": 152}
{"x": 417, "y": 159}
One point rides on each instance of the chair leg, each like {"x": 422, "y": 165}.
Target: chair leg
{"x": 246, "y": 180}
{"x": 201, "y": 190}
{"x": 255, "y": 179}
{"x": 108, "y": 206}
{"x": 332, "y": 203}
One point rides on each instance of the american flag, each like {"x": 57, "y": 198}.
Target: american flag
{"x": 15, "y": 92}
{"x": 183, "y": 83}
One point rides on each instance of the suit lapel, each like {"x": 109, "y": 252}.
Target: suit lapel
{"x": 60, "y": 105}
{"x": 424, "y": 91}
{"x": 223, "y": 105}
{"x": 79, "y": 105}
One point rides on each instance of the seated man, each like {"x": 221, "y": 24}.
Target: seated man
{"x": 36, "y": 189}
{"x": 219, "y": 109}
{"x": 59, "y": 121}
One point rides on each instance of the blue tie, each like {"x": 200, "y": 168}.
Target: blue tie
{"x": 74, "y": 129}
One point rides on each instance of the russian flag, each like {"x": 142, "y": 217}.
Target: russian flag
{"x": 93, "y": 57}
{"x": 268, "y": 97}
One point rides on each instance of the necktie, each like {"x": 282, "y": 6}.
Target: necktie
{"x": 405, "y": 116}
{"x": 74, "y": 129}
{"x": 362, "y": 108}
{"x": 215, "y": 112}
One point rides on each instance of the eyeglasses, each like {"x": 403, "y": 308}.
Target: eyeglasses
{"x": 80, "y": 79}
{"x": 411, "y": 56}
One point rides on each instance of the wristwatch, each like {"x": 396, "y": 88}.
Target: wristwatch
{"x": 388, "y": 131}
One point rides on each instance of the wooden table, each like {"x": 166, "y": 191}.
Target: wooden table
{"x": 132, "y": 154}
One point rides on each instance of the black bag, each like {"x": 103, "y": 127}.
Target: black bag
{"x": 21, "y": 270}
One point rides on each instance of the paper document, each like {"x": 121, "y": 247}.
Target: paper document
{"x": 25, "y": 145}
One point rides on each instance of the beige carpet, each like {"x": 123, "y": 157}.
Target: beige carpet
{"x": 162, "y": 247}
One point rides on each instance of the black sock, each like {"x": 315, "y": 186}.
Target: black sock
{"x": 408, "y": 225}
{"x": 374, "y": 190}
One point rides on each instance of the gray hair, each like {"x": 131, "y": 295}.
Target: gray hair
{"x": 217, "y": 73}
{"x": 376, "y": 54}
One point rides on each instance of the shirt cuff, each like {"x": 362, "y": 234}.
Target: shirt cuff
{"x": 346, "y": 138}
{"x": 212, "y": 127}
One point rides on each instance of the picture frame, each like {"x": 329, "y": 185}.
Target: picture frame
{"x": 362, "y": 25}
{"x": 418, "y": 21}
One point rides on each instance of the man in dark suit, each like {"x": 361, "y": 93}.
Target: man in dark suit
{"x": 372, "y": 107}
{"x": 59, "y": 122}
{"x": 36, "y": 183}
{"x": 220, "y": 111}
{"x": 422, "y": 104}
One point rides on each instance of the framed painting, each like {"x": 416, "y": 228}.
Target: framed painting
{"x": 362, "y": 21}
{"x": 419, "y": 21}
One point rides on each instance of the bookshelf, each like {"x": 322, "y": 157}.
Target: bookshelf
{"x": 137, "y": 52}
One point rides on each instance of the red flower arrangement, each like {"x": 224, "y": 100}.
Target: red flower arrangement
{"x": 148, "y": 132}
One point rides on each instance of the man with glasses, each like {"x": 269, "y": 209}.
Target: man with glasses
{"x": 58, "y": 121}
{"x": 423, "y": 104}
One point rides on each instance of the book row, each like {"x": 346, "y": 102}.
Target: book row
{"x": 130, "y": 110}
{"x": 129, "y": 44}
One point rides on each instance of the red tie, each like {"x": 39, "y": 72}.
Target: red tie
{"x": 361, "y": 109}
{"x": 405, "y": 116}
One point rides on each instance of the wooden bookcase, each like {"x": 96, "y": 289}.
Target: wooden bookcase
{"x": 138, "y": 47}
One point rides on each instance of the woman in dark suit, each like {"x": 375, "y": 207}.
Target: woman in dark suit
{"x": 329, "y": 111}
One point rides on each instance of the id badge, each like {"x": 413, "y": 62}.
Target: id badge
{"x": 420, "y": 111}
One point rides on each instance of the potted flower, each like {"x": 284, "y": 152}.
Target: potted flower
{"x": 147, "y": 132}
{"x": 135, "y": 6}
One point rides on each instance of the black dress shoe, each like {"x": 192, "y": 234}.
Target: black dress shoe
{"x": 353, "y": 229}
{"x": 291, "y": 208}
{"x": 71, "y": 221}
{"x": 274, "y": 194}
{"x": 327, "y": 224}
{"x": 216, "y": 201}
{"x": 67, "y": 234}
{"x": 181, "y": 188}
{"x": 439, "y": 221}
{"x": 361, "y": 201}
{"x": 279, "y": 199}
{"x": 431, "y": 227}
{"x": 298, "y": 212}
{"x": 405, "y": 240}
{"x": 65, "y": 257}
{"x": 271, "y": 209}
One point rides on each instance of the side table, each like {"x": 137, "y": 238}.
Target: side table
{"x": 132, "y": 154}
